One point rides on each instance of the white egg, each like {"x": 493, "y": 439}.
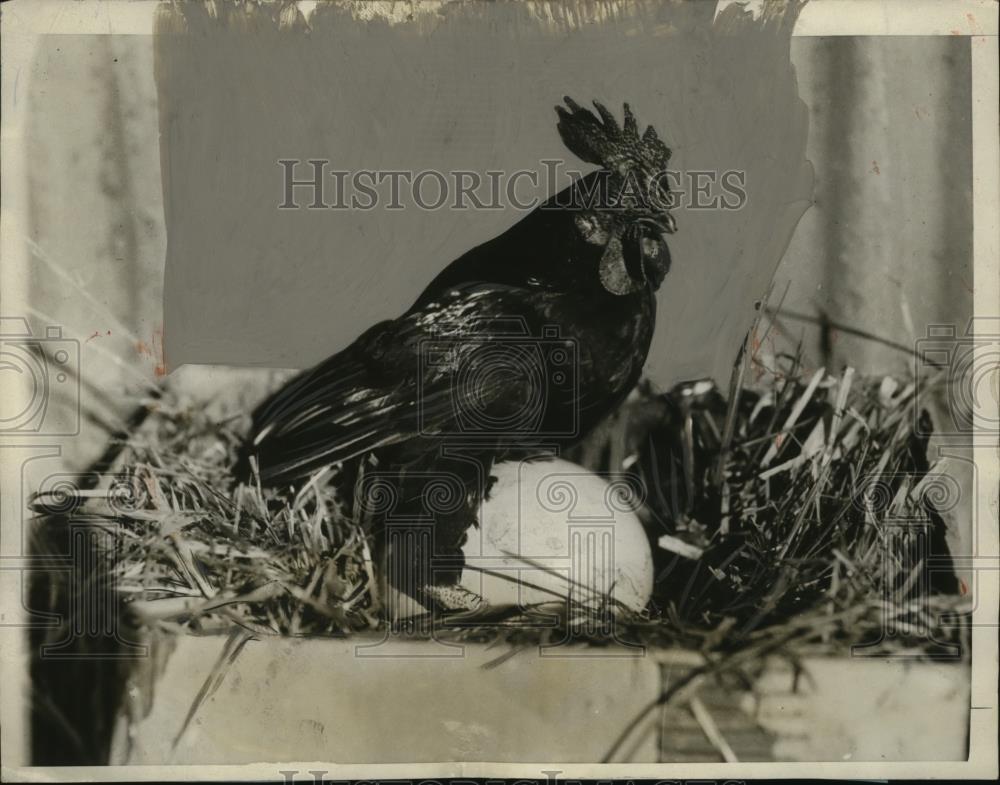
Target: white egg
{"x": 552, "y": 530}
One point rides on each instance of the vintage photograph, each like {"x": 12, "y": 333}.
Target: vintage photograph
{"x": 536, "y": 389}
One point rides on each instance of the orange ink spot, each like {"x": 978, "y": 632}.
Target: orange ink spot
{"x": 160, "y": 369}
{"x": 154, "y": 351}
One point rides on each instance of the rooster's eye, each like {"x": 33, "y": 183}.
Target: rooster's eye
{"x": 592, "y": 231}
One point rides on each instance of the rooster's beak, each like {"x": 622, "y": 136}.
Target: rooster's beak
{"x": 666, "y": 224}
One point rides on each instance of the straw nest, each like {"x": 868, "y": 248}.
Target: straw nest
{"x": 800, "y": 508}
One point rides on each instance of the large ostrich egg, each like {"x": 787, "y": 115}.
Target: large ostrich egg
{"x": 552, "y": 530}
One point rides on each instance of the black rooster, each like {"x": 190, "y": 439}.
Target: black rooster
{"x": 526, "y": 341}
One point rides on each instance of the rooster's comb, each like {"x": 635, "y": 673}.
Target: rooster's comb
{"x": 599, "y": 140}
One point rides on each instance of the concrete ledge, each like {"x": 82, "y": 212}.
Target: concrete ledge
{"x": 400, "y": 701}
{"x": 417, "y": 701}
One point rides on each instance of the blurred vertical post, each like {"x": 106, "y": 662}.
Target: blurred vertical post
{"x": 93, "y": 245}
{"x": 857, "y": 250}
{"x": 18, "y": 47}
{"x": 887, "y": 246}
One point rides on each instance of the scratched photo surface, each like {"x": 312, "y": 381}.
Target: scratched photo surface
{"x": 410, "y": 383}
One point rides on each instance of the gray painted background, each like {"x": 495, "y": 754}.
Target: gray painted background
{"x": 471, "y": 86}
